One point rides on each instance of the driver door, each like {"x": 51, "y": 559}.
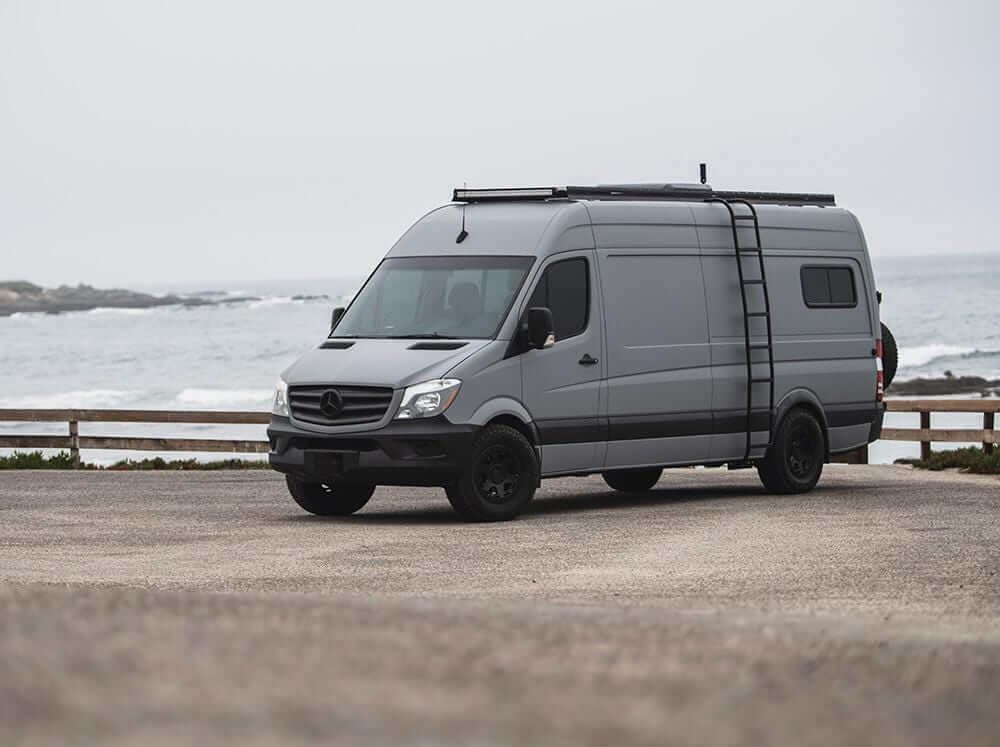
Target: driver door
{"x": 561, "y": 385}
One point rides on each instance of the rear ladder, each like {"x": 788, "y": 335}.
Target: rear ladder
{"x": 754, "y": 341}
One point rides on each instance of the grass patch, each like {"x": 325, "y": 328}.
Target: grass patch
{"x": 970, "y": 459}
{"x": 35, "y": 460}
{"x": 159, "y": 463}
{"x": 62, "y": 460}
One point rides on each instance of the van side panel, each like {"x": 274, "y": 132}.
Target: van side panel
{"x": 827, "y": 351}
{"x": 659, "y": 388}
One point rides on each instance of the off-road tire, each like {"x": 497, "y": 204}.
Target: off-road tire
{"x": 795, "y": 459}
{"x": 632, "y": 480}
{"x": 335, "y": 499}
{"x": 498, "y": 478}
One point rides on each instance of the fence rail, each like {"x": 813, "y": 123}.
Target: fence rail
{"x": 926, "y": 435}
{"x": 73, "y": 441}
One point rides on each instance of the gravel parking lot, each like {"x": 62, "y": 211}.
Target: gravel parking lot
{"x": 204, "y": 607}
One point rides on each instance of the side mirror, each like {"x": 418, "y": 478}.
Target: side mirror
{"x": 337, "y": 313}
{"x": 540, "y": 328}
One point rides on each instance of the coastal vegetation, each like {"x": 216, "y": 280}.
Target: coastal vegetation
{"x": 62, "y": 460}
{"x": 971, "y": 459}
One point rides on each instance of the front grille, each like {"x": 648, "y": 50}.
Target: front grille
{"x": 358, "y": 404}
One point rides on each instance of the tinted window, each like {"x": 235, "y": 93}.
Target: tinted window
{"x": 829, "y": 286}
{"x": 565, "y": 289}
{"x": 449, "y": 296}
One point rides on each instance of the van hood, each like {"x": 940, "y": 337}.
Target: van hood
{"x": 374, "y": 362}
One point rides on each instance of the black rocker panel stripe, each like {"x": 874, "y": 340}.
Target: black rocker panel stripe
{"x": 669, "y": 425}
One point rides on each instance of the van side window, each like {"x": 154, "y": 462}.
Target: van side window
{"x": 829, "y": 287}
{"x": 565, "y": 289}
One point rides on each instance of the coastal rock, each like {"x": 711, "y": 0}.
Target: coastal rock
{"x": 945, "y": 385}
{"x": 19, "y": 296}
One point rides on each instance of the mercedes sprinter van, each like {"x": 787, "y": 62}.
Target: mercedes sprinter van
{"x": 517, "y": 334}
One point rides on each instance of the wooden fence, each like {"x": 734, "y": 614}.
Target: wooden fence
{"x": 73, "y": 441}
{"x": 987, "y": 436}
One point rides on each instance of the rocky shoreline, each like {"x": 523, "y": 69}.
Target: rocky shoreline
{"x": 22, "y": 297}
{"x": 946, "y": 385}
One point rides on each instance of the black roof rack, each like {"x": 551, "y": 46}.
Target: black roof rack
{"x": 674, "y": 192}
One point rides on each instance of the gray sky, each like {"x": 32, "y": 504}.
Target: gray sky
{"x": 150, "y": 142}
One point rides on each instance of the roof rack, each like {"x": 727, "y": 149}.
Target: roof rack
{"x": 671, "y": 192}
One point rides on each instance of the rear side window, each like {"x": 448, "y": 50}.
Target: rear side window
{"x": 565, "y": 289}
{"x": 829, "y": 287}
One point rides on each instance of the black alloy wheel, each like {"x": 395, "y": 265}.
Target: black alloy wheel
{"x": 498, "y": 473}
{"x": 794, "y": 461}
{"x": 499, "y": 476}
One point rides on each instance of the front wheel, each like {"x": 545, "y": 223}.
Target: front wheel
{"x": 334, "y": 499}
{"x": 499, "y": 477}
{"x": 632, "y": 480}
{"x": 794, "y": 461}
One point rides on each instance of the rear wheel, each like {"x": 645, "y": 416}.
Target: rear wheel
{"x": 334, "y": 499}
{"x": 498, "y": 479}
{"x": 632, "y": 480}
{"x": 794, "y": 461}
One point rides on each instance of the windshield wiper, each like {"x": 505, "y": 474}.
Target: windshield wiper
{"x": 425, "y": 336}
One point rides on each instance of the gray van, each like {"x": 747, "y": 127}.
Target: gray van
{"x": 517, "y": 334}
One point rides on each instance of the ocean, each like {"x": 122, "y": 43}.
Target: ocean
{"x": 943, "y": 311}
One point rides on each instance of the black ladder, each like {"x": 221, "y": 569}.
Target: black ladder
{"x": 751, "y": 339}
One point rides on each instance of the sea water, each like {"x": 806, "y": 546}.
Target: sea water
{"x": 943, "y": 311}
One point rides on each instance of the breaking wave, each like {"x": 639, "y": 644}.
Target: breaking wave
{"x": 88, "y": 398}
{"x": 931, "y": 359}
{"x": 251, "y": 399}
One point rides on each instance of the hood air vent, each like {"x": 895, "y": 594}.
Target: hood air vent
{"x": 336, "y": 344}
{"x": 437, "y": 345}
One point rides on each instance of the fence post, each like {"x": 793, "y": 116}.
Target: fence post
{"x": 988, "y": 425}
{"x": 74, "y": 443}
{"x": 925, "y": 446}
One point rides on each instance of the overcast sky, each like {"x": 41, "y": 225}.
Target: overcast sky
{"x": 148, "y": 142}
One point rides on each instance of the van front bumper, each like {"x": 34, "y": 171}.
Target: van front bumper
{"x": 426, "y": 452}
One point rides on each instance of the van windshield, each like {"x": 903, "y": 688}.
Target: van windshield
{"x": 435, "y": 297}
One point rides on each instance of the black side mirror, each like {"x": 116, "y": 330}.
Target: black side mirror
{"x": 540, "y": 328}
{"x": 337, "y": 313}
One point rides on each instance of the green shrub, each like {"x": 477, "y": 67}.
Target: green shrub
{"x": 62, "y": 460}
{"x": 159, "y": 463}
{"x": 35, "y": 460}
{"x": 970, "y": 459}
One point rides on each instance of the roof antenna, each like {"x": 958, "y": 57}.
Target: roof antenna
{"x": 704, "y": 173}
{"x": 463, "y": 234}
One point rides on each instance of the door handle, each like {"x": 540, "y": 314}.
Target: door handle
{"x": 587, "y": 360}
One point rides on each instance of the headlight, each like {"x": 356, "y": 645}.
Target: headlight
{"x": 280, "y": 405}
{"x": 428, "y": 399}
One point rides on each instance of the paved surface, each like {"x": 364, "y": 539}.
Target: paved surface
{"x": 165, "y": 608}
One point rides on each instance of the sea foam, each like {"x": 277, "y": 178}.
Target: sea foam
{"x": 253, "y": 399}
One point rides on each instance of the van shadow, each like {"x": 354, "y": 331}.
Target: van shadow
{"x": 563, "y": 503}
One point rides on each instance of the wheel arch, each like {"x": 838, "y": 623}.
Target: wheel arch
{"x": 510, "y": 412}
{"x": 506, "y": 411}
{"x": 807, "y": 400}
{"x": 526, "y": 430}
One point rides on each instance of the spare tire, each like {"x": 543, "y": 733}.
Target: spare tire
{"x": 890, "y": 356}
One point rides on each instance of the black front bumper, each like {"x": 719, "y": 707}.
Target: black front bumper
{"x": 406, "y": 452}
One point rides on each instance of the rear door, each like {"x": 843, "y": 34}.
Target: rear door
{"x": 561, "y": 385}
